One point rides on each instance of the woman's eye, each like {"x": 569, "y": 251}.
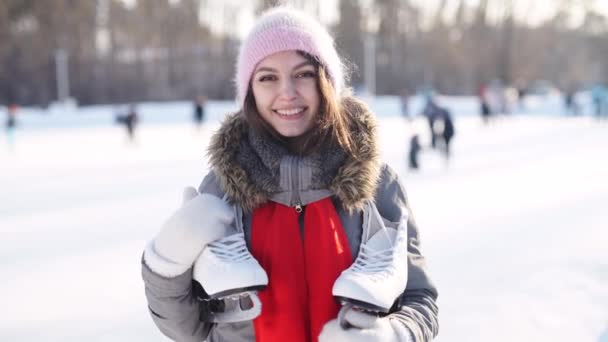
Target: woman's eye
{"x": 306, "y": 74}
{"x": 266, "y": 78}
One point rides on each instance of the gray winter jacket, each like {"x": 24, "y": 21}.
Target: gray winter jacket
{"x": 241, "y": 163}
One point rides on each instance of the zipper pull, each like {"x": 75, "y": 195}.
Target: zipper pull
{"x": 298, "y": 208}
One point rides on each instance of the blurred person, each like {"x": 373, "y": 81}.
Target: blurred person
{"x": 520, "y": 86}
{"x": 431, "y": 112}
{"x": 199, "y": 110}
{"x": 11, "y": 124}
{"x": 296, "y": 179}
{"x": 570, "y": 103}
{"x": 444, "y": 129}
{"x": 414, "y": 151}
{"x": 599, "y": 96}
{"x": 483, "y": 104}
{"x": 130, "y": 120}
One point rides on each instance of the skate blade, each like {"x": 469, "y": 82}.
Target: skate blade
{"x": 361, "y": 305}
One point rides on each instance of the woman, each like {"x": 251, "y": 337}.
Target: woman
{"x": 300, "y": 161}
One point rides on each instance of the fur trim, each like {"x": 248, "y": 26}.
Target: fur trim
{"x": 355, "y": 182}
{"x": 223, "y": 148}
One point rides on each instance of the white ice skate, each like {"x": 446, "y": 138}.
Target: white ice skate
{"x": 379, "y": 273}
{"x": 232, "y": 275}
{"x": 227, "y": 269}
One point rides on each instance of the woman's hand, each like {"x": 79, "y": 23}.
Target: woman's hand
{"x": 353, "y": 325}
{"x": 202, "y": 219}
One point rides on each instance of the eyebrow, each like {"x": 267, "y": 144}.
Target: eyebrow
{"x": 268, "y": 69}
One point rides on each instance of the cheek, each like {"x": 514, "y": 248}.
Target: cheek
{"x": 310, "y": 93}
{"x": 261, "y": 98}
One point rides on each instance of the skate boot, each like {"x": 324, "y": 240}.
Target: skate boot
{"x": 378, "y": 276}
{"x": 231, "y": 276}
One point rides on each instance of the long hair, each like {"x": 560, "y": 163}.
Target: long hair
{"x": 331, "y": 124}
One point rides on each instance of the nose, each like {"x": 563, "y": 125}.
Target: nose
{"x": 288, "y": 90}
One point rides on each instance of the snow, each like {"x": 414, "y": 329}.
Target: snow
{"x": 514, "y": 227}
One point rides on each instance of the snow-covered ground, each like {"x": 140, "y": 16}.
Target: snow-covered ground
{"x": 515, "y": 228}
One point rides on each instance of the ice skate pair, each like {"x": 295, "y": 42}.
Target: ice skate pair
{"x": 372, "y": 283}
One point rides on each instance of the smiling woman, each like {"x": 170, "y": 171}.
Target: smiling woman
{"x": 299, "y": 207}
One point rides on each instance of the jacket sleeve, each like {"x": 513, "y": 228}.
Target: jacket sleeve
{"x": 171, "y": 303}
{"x": 172, "y": 306}
{"x": 416, "y": 308}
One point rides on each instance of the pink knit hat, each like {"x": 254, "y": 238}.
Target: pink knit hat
{"x": 283, "y": 29}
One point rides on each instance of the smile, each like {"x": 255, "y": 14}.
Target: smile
{"x": 290, "y": 112}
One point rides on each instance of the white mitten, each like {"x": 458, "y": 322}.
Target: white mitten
{"x": 201, "y": 220}
{"x": 359, "y": 326}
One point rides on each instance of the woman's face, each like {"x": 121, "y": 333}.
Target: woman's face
{"x": 285, "y": 90}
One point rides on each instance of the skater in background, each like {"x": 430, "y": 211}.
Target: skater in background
{"x": 11, "y": 124}
{"x": 599, "y": 96}
{"x": 414, "y": 151}
{"x": 520, "y": 87}
{"x": 482, "y": 96}
{"x": 296, "y": 180}
{"x": 199, "y": 110}
{"x": 570, "y": 103}
{"x": 130, "y": 120}
{"x": 431, "y": 111}
{"x": 444, "y": 130}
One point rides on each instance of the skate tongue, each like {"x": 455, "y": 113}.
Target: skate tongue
{"x": 383, "y": 239}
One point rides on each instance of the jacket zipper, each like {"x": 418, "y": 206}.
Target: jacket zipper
{"x": 295, "y": 183}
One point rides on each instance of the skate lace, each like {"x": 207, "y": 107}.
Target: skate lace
{"x": 370, "y": 260}
{"x": 231, "y": 248}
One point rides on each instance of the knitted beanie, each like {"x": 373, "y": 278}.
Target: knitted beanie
{"x": 282, "y": 29}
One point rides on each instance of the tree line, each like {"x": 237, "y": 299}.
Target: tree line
{"x": 144, "y": 50}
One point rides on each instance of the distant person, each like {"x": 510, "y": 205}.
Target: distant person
{"x": 599, "y": 96}
{"x": 521, "y": 94}
{"x": 129, "y": 120}
{"x": 413, "y": 153}
{"x": 570, "y": 103}
{"x": 431, "y": 112}
{"x": 444, "y": 130}
{"x": 11, "y": 117}
{"x": 199, "y": 110}
{"x": 483, "y": 104}
{"x": 11, "y": 124}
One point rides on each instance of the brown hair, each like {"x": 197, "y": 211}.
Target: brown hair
{"x": 331, "y": 124}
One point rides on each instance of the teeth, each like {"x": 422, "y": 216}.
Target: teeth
{"x": 289, "y": 111}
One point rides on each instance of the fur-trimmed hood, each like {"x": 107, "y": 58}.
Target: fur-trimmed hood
{"x": 251, "y": 181}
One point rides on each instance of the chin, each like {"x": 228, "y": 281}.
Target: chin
{"x": 290, "y": 133}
